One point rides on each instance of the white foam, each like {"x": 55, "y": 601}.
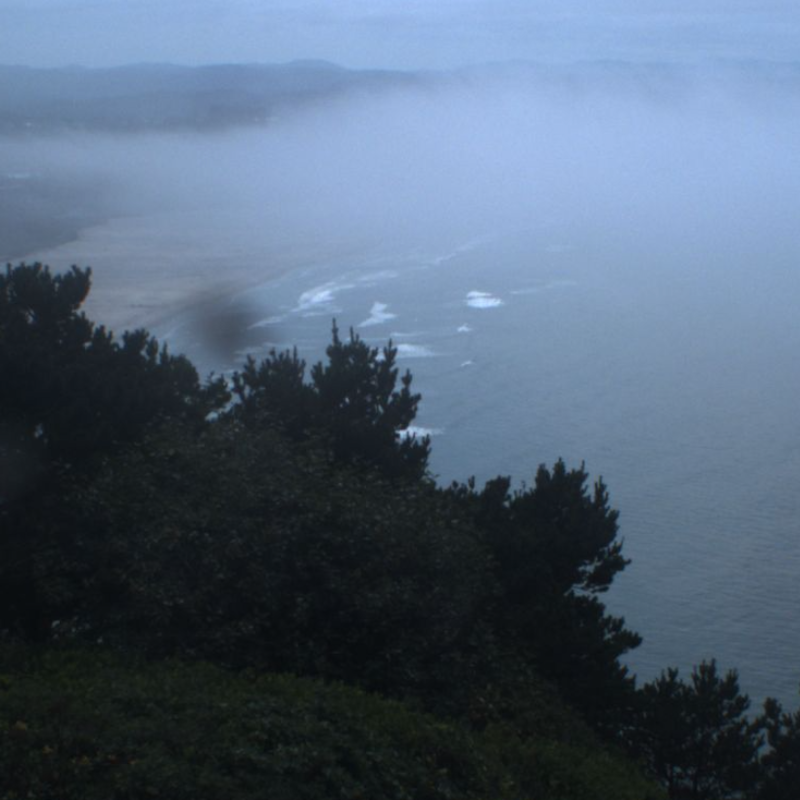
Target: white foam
{"x": 468, "y": 363}
{"x": 464, "y": 329}
{"x": 419, "y": 432}
{"x": 377, "y": 315}
{"x": 477, "y": 299}
{"x": 263, "y": 323}
{"x": 414, "y": 351}
{"x": 320, "y": 298}
{"x": 314, "y": 297}
{"x": 261, "y": 350}
{"x": 467, "y": 247}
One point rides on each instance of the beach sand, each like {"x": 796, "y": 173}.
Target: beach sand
{"x": 149, "y": 269}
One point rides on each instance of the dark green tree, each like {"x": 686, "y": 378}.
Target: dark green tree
{"x": 555, "y": 550}
{"x": 248, "y": 548}
{"x": 354, "y": 398}
{"x": 696, "y": 738}
{"x": 68, "y": 388}
{"x": 69, "y": 392}
{"x": 781, "y": 763}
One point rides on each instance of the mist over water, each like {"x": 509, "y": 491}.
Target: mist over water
{"x": 598, "y": 263}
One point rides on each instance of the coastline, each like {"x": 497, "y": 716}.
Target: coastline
{"x": 148, "y": 270}
{"x": 40, "y": 213}
{"x": 22, "y": 237}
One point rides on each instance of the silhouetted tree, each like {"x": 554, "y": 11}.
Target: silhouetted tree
{"x": 354, "y": 398}
{"x": 69, "y": 392}
{"x": 68, "y": 388}
{"x": 781, "y": 763}
{"x": 696, "y": 738}
{"x": 555, "y": 549}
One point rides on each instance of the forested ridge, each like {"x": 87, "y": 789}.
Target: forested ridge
{"x": 169, "y": 98}
{"x": 254, "y": 588}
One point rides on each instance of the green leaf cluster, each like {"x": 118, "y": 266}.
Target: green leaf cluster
{"x": 353, "y": 399}
{"x": 86, "y": 725}
{"x": 696, "y": 738}
{"x": 70, "y": 390}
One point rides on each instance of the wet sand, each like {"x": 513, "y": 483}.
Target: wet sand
{"x": 148, "y": 269}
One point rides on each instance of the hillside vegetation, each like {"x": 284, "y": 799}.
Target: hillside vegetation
{"x": 173, "y": 551}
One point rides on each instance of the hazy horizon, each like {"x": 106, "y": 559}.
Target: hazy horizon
{"x": 391, "y": 34}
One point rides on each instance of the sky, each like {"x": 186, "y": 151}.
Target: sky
{"x": 393, "y": 34}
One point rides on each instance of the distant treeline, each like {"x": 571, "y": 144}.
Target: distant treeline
{"x": 165, "y": 97}
{"x": 168, "y": 97}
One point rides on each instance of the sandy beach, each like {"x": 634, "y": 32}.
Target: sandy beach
{"x": 148, "y": 269}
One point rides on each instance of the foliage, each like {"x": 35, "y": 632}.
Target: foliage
{"x": 695, "y": 738}
{"x": 69, "y": 389}
{"x": 248, "y": 548}
{"x": 297, "y": 531}
{"x": 580, "y": 770}
{"x": 353, "y": 398}
{"x": 69, "y": 392}
{"x": 780, "y": 764}
{"x": 244, "y": 546}
{"x": 86, "y": 725}
{"x": 554, "y": 549}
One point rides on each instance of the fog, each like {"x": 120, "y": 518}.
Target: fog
{"x": 652, "y": 154}
{"x": 397, "y": 34}
{"x": 666, "y": 173}
{"x": 646, "y": 157}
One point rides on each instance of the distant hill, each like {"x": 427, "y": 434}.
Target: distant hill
{"x": 165, "y": 97}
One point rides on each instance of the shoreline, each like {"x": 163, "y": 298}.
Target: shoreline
{"x": 42, "y": 213}
{"x": 148, "y": 270}
{"x": 23, "y": 240}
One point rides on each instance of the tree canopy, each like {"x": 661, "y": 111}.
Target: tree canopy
{"x": 288, "y": 523}
{"x": 354, "y": 399}
{"x": 696, "y": 737}
{"x": 69, "y": 389}
{"x": 295, "y": 529}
